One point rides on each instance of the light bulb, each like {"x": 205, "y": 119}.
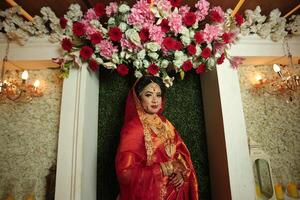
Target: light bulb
{"x": 276, "y": 68}
{"x": 36, "y": 83}
{"x": 25, "y": 75}
{"x": 258, "y": 77}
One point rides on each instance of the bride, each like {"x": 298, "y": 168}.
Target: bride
{"x": 152, "y": 161}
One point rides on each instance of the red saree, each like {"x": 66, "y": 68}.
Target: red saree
{"x": 139, "y": 156}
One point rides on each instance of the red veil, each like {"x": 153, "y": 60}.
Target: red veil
{"x": 140, "y": 177}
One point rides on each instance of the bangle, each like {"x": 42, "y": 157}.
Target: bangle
{"x": 167, "y": 168}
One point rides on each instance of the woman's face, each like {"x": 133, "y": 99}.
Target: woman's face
{"x": 151, "y": 98}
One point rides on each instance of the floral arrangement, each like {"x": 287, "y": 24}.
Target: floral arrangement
{"x": 273, "y": 26}
{"x": 153, "y": 37}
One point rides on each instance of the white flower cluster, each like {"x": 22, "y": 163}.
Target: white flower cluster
{"x": 273, "y": 25}
{"x": 19, "y": 29}
{"x": 294, "y": 25}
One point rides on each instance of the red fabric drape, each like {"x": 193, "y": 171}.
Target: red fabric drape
{"x": 137, "y": 180}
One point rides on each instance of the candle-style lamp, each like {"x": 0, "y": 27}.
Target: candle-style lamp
{"x": 277, "y": 69}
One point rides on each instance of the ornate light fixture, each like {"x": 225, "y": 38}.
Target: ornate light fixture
{"x": 14, "y": 88}
{"x": 286, "y": 81}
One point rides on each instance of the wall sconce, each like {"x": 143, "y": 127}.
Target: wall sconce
{"x": 286, "y": 81}
{"x": 17, "y": 89}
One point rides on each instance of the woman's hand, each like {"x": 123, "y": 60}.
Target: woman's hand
{"x": 178, "y": 166}
{"x": 176, "y": 179}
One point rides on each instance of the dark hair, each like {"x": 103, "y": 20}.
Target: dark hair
{"x": 146, "y": 80}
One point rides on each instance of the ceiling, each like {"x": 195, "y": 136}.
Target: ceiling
{"x": 60, "y": 7}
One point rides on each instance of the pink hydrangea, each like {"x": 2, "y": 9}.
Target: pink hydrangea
{"x": 107, "y": 49}
{"x": 141, "y": 15}
{"x": 90, "y": 15}
{"x": 111, "y": 9}
{"x": 183, "y": 10}
{"x": 202, "y": 9}
{"x": 175, "y": 22}
{"x": 88, "y": 28}
{"x": 156, "y": 34}
{"x": 211, "y": 32}
{"x": 126, "y": 44}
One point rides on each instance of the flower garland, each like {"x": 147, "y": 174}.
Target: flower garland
{"x": 153, "y": 37}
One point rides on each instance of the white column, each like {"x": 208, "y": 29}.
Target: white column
{"x": 229, "y": 161}
{"x": 76, "y": 177}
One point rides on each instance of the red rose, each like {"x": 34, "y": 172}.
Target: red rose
{"x": 176, "y": 3}
{"x": 165, "y": 25}
{"x": 96, "y": 38}
{"x": 187, "y": 65}
{"x": 215, "y": 16}
{"x": 63, "y": 22}
{"x": 144, "y": 35}
{"x": 169, "y": 43}
{"x": 206, "y": 52}
{"x": 93, "y": 65}
{"x": 99, "y": 9}
{"x": 239, "y": 19}
{"x": 189, "y": 19}
{"x": 200, "y": 69}
{"x": 122, "y": 69}
{"x": 153, "y": 69}
{"x": 78, "y": 29}
{"x": 226, "y": 37}
{"x": 191, "y": 49}
{"x": 86, "y": 52}
{"x": 66, "y": 44}
{"x": 221, "y": 59}
{"x": 178, "y": 45}
{"x": 199, "y": 37}
{"x": 115, "y": 34}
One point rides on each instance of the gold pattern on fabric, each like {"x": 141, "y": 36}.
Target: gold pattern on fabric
{"x": 164, "y": 131}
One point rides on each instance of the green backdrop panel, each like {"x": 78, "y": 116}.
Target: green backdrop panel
{"x": 183, "y": 108}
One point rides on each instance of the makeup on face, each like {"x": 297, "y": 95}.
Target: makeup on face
{"x": 151, "y": 98}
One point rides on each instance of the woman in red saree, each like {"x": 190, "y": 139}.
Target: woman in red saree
{"x": 152, "y": 161}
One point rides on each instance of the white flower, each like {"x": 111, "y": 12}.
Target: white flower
{"x": 74, "y": 13}
{"x": 185, "y": 39}
{"x": 122, "y": 54}
{"x": 98, "y": 60}
{"x": 109, "y": 65}
{"x": 138, "y": 63}
{"x": 111, "y": 21}
{"x": 198, "y": 50}
{"x": 141, "y": 54}
{"x": 185, "y": 31}
{"x": 211, "y": 63}
{"x": 154, "y": 56}
{"x": 146, "y": 63}
{"x": 152, "y": 46}
{"x": 168, "y": 81}
{"x": 164, "y": 63}
{"x": 133, "y": 36}
{"x": 138, "y": 74}
{"x": 123, "y": 8}
{"x": 180, "y": 58}
{"x": 123, "y": 26}
{"x": 115, "y": 58}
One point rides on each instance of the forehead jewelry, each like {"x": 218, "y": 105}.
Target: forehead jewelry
{"x": 153, "y": 86}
